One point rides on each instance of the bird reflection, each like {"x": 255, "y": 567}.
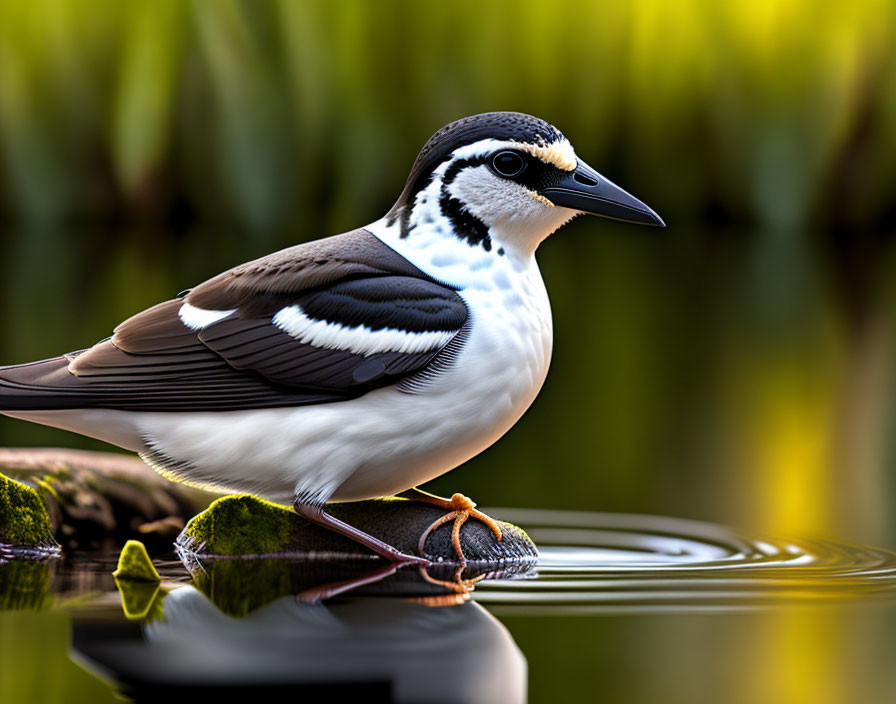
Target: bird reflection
{"x": 389, "y": 649}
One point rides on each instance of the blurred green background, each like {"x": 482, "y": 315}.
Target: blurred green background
{"x": 736, "y": 367}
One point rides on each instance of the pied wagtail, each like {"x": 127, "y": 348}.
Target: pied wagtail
{"x": 356, "y": 366}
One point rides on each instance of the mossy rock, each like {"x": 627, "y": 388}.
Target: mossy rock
{"x": 138, "y": 583}
{"x": 25, "y": 526}
{"x": 246, "y": 526}
{"x": 135, "y": 565}
{"x": 92, "y": 496}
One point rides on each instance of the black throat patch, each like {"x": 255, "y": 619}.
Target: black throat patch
{"x": 465, "y": 225}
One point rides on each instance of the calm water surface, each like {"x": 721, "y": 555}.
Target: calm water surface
{"x": 620, "y": 608}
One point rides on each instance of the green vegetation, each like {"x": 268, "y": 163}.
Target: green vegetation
{"x": 259, "y": 113}
{"x": 24, "y": 520}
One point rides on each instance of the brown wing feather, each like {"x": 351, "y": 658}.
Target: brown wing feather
{"x": 155, "y": 362}
{"x": 157, "y": 329}
{"x": 301, "y": 268}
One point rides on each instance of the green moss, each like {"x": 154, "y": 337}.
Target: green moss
{"x": 243, "y": 525}
{"x": 24, "y": 519}
{"x": 134, "y": 564}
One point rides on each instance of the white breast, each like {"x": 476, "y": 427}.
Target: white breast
{"x": 494, "y": 379}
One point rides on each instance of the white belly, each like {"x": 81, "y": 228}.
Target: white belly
{"x": 383, "y": 442}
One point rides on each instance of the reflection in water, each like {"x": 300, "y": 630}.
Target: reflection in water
{"x": 595, "y": 562}
{"x": 396, "y": 650}
{"x": 24, "y": 584}
{"x": 239, "y": 586}
{"x": 688, "y": 593}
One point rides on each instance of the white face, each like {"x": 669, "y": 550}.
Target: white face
{"x": 518, "y": 218}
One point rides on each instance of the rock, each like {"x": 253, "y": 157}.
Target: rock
{"x": 92, "y": 496}
{"x": 246, "y": 526}
{"x": 134, "y": 564}
{"x": 279, "y": 554}
{"x": 25, "y": 526}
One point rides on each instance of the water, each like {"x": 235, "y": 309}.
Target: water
{"x": 594, "y": 562}
{"x": 618, "y": 608}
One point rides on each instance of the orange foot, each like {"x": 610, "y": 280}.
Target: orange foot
{"x": 460, "y": 588}
{"x": 460, "y": 509}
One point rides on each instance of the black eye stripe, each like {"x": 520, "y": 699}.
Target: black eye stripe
{"x": 536, "y": 175}
{"x": 457, "y": 166}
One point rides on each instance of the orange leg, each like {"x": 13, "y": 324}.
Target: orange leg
{"x": 315, "y": 514}
{"x": 326, "y": 591}
{"x": 460, "y": 509}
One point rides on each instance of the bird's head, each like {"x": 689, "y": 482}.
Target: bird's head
{"x": 506, "y": 180}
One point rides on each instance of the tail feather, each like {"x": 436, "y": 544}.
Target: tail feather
{"x": 50, "y": 386}
{"x": 39, "y": 386}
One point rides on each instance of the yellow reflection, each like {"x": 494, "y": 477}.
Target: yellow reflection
{"x": 794, "y": 426}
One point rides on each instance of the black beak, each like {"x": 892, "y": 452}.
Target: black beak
{"x": 586, "y": 190}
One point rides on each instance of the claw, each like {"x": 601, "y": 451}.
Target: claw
{"x": 461, "y": 508}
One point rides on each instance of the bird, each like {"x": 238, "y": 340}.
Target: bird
{"x": 356, "y": 366}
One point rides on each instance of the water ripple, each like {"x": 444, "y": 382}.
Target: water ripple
{"x": 593, "y": 562}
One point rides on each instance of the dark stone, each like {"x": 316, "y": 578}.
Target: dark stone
{"x": 244, "y": 526}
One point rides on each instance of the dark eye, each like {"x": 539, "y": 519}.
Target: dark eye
{"x": 508, "y": 164}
